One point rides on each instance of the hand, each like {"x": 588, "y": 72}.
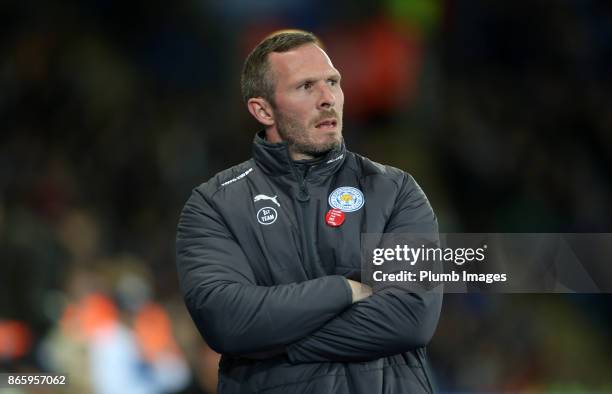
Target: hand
{"x": 360, "y": 291}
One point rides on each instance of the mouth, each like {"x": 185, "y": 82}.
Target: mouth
{"x": 327, "y": 124}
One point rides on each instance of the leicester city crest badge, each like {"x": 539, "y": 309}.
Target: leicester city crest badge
{"x": 346, "y": 199}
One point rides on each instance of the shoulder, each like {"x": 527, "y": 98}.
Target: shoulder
{"x": 366, "y": 167}
{"x": 233, "y": 177}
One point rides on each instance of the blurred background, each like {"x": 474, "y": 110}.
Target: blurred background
{"x": 111, "y": 112}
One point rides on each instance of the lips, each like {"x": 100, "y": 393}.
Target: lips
{"x": 327, "y": 123}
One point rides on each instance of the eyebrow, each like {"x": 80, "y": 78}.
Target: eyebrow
{"x": 329, "y": 76}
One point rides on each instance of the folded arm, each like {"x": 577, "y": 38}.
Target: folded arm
{"x": 234, "y": 315}
{"x": 391, "y": 321}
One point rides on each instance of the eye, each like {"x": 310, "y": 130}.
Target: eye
{"x": 306, "y": 85}
{"x": 333, "y": 81}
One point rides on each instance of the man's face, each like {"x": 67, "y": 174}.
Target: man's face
{"x": 308, "y": 100}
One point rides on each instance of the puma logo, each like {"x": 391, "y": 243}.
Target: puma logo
{"x": 260, "y": 197}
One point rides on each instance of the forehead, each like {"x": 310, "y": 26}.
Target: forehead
{"x": 305, "y": 61}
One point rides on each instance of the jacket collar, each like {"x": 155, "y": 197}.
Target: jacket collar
{"x": 274, "y": 159}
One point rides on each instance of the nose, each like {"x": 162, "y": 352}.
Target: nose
{"x": 327, "y": 99}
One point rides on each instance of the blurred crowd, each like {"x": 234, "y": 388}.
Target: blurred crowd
{"x": 113, "y": 111}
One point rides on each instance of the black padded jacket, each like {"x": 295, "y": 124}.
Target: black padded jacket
{"x": 264, "y": 277}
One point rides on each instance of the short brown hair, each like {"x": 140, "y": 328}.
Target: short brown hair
{"x": 255, "y": 80}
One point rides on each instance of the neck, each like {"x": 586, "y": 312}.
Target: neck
{"x": 295, "y": 156}
{"x": 273, "y": 136}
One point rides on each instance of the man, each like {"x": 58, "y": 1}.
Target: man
{"x": 268, "y": 251}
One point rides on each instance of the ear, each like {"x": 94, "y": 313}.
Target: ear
{"x": 261, "y": 110}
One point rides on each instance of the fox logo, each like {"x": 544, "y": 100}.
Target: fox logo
{"x": 260, "y": 197}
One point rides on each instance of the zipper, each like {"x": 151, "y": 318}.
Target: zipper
{"x": 307, "y": 239}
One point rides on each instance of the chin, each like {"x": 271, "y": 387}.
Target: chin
{"x": 329, "y": 145}
{"x": 330, "y": 136}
